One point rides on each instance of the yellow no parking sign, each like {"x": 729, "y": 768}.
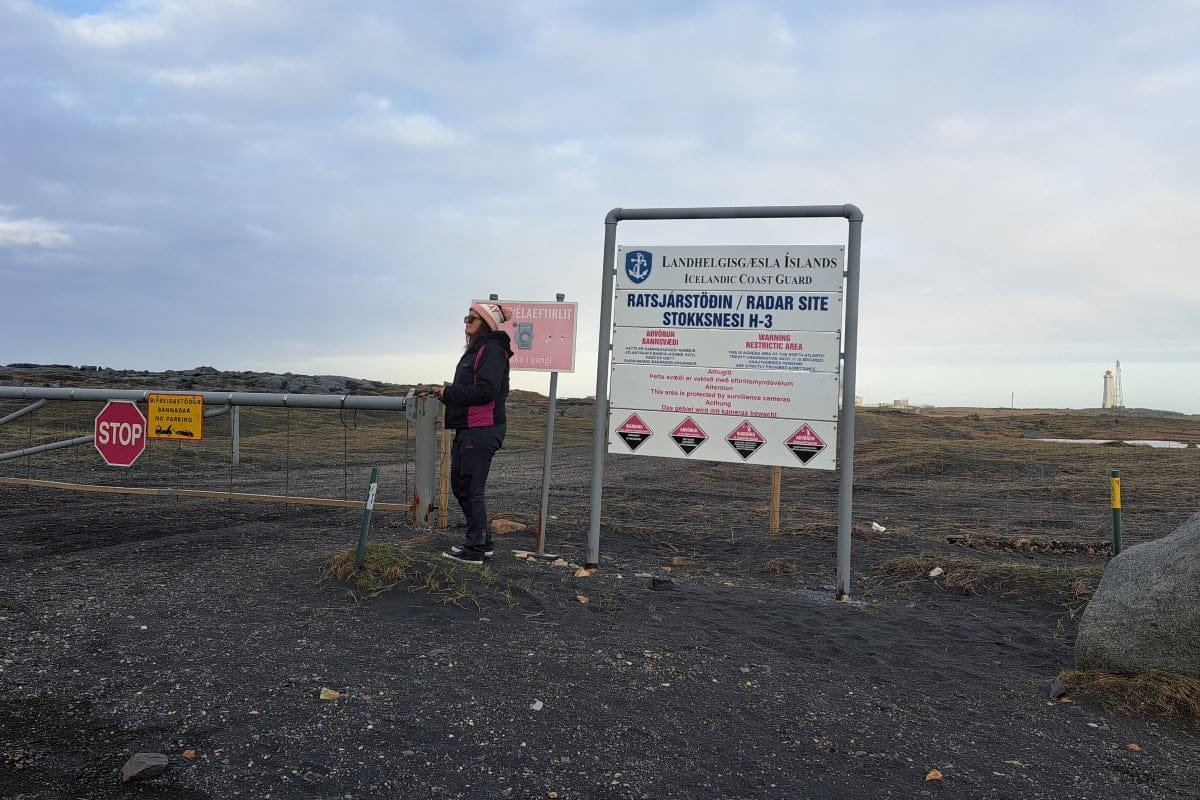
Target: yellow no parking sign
{"x": 175, "y": 416}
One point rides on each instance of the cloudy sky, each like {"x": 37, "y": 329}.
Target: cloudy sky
{"x": 321, "y": 187}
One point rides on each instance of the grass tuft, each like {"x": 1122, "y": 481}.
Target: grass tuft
{"x": 780, "y": 567}
{"x": 1068, "y": 587}
{"x": 410, "y": 565}
{"x": 1163, "y": 695}
{"x": 386, "y": 565}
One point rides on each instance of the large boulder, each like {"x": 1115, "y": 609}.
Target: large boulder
{"x": 1146, "y": 613}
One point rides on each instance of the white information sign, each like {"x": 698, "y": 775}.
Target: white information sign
{"x": 744, "y": 393}
{"x": 728, "y": 353}
{"x": 794, "y": 351}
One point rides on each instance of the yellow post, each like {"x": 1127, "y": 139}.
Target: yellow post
{"x": 1115, "y": 484}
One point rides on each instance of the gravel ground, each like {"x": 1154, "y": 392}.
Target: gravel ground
{"x": 197, "y": 629}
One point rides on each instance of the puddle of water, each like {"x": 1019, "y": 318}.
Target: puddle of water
{"x": 1145, "y": 442}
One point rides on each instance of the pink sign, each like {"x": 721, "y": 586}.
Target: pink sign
{"x": 543, "y": 335}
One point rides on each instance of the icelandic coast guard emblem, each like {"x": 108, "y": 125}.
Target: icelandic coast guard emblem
{"x": 638, "y": 264}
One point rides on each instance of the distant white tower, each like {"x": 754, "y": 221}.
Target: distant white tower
{"x": 1114, "y": 397}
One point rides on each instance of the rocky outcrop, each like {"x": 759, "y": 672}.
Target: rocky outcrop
{"x": 200, "y": 379}
{"x": 1146, "y": 612}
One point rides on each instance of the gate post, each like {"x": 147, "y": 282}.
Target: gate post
{"x": 424, "y": 502}
{"x": 235, "y": 427}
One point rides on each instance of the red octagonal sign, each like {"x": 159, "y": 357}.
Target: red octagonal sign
{"x": 120, "y": 433}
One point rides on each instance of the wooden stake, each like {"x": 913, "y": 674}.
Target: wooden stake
{"x": 444, "y": 480}
{"x": 776, "y": 480}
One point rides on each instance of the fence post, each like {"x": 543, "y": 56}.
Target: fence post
{"x": 426, "y": 455}
{"x": 366, "y": 518}
{"x": 236, "y": 428}
{"x": 444, "y": 480}
{"x": 1115, "y": 483}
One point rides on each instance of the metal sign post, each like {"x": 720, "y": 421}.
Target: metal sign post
{"x": 543, "y": 336}
{"x": 548, "y": 459}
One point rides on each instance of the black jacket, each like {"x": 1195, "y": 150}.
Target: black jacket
{"x": 477, "y": 396}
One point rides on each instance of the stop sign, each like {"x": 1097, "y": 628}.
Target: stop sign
{"x": 120, "y": 433}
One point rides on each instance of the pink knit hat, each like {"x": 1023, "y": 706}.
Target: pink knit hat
{"x": 493, "y": 314}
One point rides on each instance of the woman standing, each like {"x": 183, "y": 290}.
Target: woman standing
{"x": 475, "y": 412}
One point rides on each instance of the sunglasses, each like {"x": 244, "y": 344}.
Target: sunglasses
{"x": 469, "y": 318}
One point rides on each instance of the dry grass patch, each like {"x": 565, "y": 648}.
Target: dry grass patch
{"x": 780, "y": 567}
{"x": 1069, "y": 587}
{"x": 1163, "y": 695}
{"x": 417, "y": 566}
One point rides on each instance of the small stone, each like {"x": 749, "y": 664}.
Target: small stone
{"x": 536, "y": 705}
{"x": 661, "y": 584}
{"x": 143, "y": 765}
{"x": 936, "y": 572}
{"x": 503, "y": 526}
{"x": 329, "y": 694}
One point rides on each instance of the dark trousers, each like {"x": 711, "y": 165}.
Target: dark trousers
{"x": 470, "y": 462}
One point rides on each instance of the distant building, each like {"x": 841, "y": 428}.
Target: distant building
{"x": 1114, "y": 395}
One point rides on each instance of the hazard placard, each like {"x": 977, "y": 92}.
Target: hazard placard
{"x": 745, "y": 439}
{"x": 805, "y": 444}
{"x": 634, "y": 432}
{"x": 689, "y": 436}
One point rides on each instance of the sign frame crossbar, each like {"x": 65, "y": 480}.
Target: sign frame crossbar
{"x": 849, "y": 355}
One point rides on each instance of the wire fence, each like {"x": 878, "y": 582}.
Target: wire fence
{"x": 322, "y": 453}
{"x": 935, "y": 475}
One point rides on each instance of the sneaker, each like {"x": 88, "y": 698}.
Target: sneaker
{"x": 463, "y": 557}
{"x": 490, "y": 550}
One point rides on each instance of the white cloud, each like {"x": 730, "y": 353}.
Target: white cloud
{"x": 106, "y": 31}
{"x": 227, "y": 77}
{"x": 32, "y": 233}
{"x": 406, "y": 130}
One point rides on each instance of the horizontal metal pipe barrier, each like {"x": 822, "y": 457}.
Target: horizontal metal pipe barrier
{"x": 26, "y": 410}
{"x": 349, "y": 401}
